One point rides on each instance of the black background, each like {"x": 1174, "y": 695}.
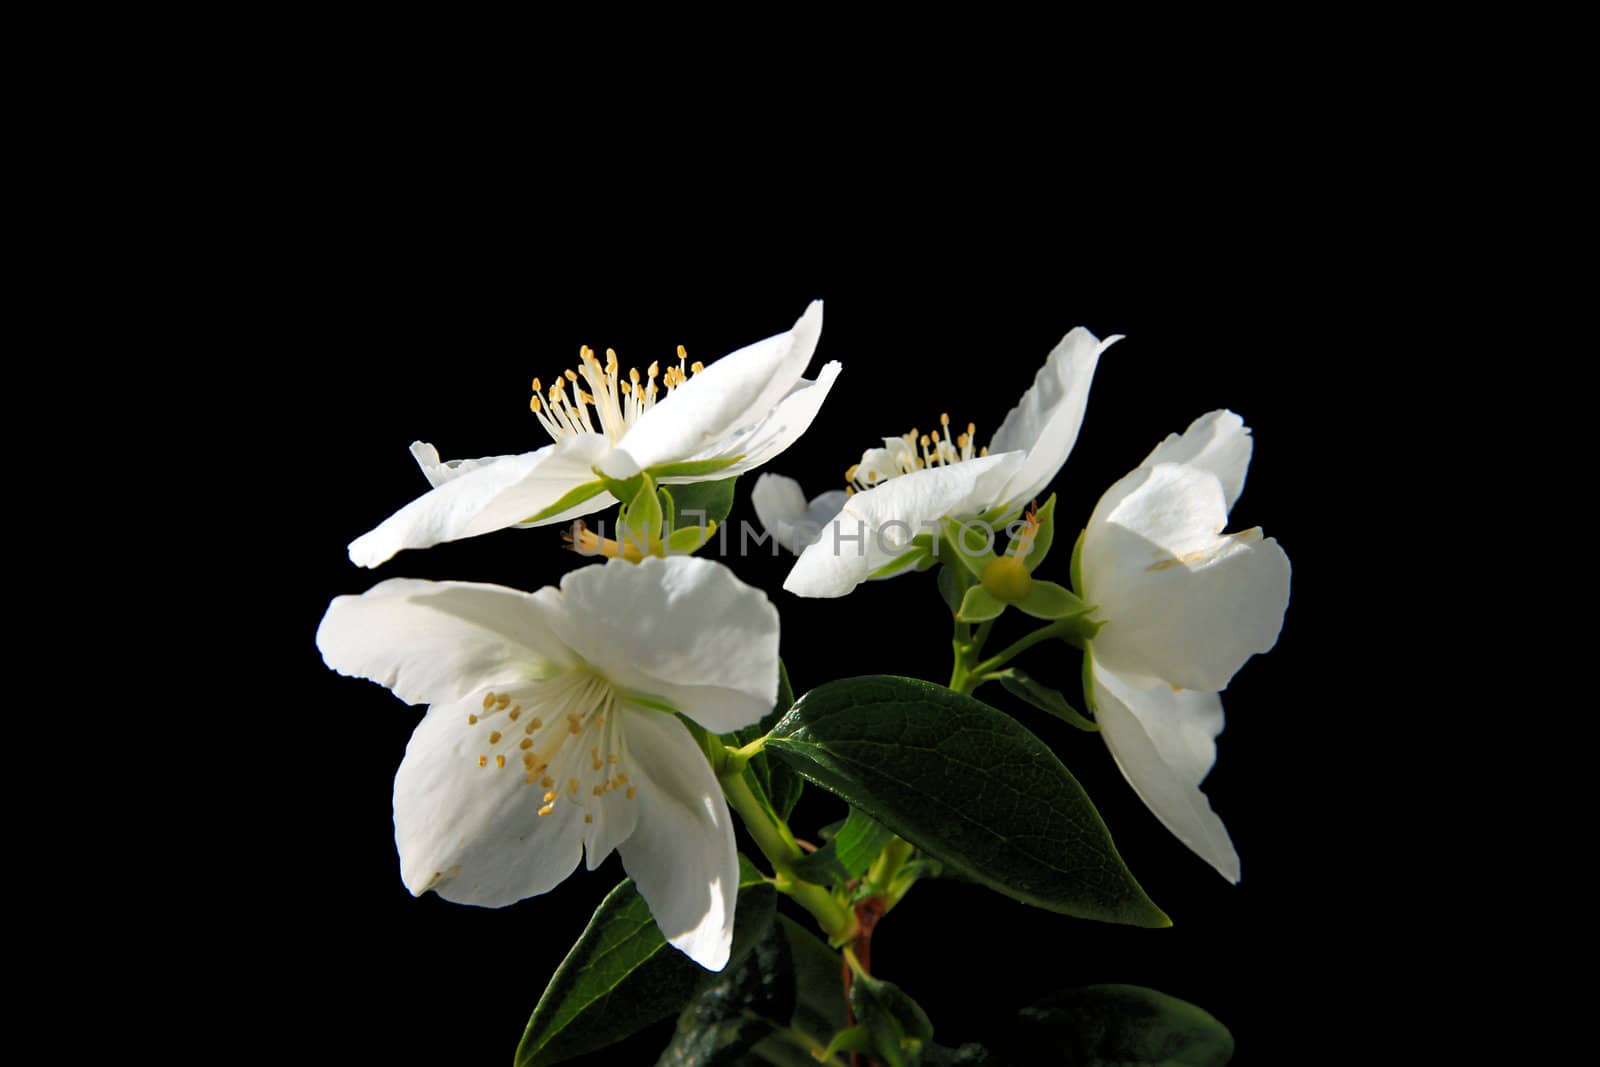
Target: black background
{"x": 389, "y": 329}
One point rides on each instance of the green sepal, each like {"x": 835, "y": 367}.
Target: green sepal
{"x": 914, "y": 557}
{"x": 896, "y": 748}
{"x": 686, "y": 540}
{"x": 702, "y": 503}
{"x": 979, "y": 605}
{"x": 850, "y": 848}
{"x": 1047, "y": 600}
{"x": 1044, "y": 538}
{"x": 570, "y": 499}
{"x": 1118, "y": 1026}
{"x": 732, "y": 1011}
{"x": 775, "y": 783}
{"x": 954, "y": 581}
{"x": 951, "y": 550}
{"x": 1042, "y": 697}
{"x": 1075, "y": 571}
{"x": 624, "y": 489}
{"x": 856, "y": 1039}
{"x": 639, "y": 522}
{"x": 697, "y": 468}
{"x": 621, "y": 975}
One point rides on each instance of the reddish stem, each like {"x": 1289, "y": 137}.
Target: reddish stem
{"x": 868, "y": 912}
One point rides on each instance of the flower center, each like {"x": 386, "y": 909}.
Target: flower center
{"x": 616, "y": 401}
{"x": 913, "y": 452}
{"x": 562, "y": 735}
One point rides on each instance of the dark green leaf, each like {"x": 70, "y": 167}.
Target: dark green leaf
{"x": 1042, "y": 697}
{"x": 621, "y": 975}
{"x": 819, "y": 1001}
{"x": 897, "y": 1024}
{"x": 732, "y": 1011}
{"x": 968, "y": 1055}
{"x": 1119, "y": 1026}
{"x": 1042, "y": 540}
{"x": 967, "y": 784}
{"x": 848, "y": 853}
{"x": 702, "y": 503}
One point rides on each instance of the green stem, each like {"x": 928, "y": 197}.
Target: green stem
{"x": 776, "y": 843}
{"x": 963, "y": 679}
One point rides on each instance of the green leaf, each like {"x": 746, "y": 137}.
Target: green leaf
{"x": 621, "y": 975}
{"x": 1042, "y": 697}
{"x": 979, "y": 605}
{"x": 969, "y": 1055}
{"x": 703, "y": 503}
{"x": 1119, "y": 1026}
{"x": 1047, "y": 600}
{"x": 568, "y": 500}
{"x": 819, "y": 1000}
{"x": 641, "y": 517}
{"x": 1044, "y": 538}
{"x": 697, "y": 468}
{"x": 967, "y": 784}
{"x": 848, "y": 854}
{"x": 734, "y": 1010}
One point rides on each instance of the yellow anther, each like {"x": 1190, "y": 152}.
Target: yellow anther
{"x": 936, "y": 437}
{"x": 494, "y": 737}
{"x": 632, "y": 789}
{"x": 525, "y": 743}
{"x": 547, "y": 809}
{"x": 944, "y": 419}
{"x": 528, "y": 761}
{"x": 925, "y": 440}
{"x": 488, "y": 700}
{"x": 588, "y": 818}
{"x": 534, "y": 725}
{"x": 550, "y": 796}
{"x": 623, "y": 778}
{"x": 547, "y": 781}
{"x": 633, "y": 375}
{"x": 599, "y": 790}
{"x": 472, "y": 720}
{"x": 572, "y": 786}
{"x": 696, "y": 367}
{"x": 533, "y": 404}
{"x": 502, "y": 700}
{"x": 515, "y": 712}
{"x": 483, "y": 761}
{"x": 500, "y": 761}
{"x": 574, "y": 724}
{"x": 972, "y": 428}
{"x": 572, "y": 375}
{"x": 537, "y": 388}
{"x": 683, "y": 353}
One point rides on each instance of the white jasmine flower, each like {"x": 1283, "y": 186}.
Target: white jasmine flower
{"x": 548, "y": 733}
{"x": 900, "y": 490}
{"x": 700, "y": 422}
{"x": 1183, "y": 605}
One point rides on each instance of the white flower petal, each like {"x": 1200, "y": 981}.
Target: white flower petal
{"x": 1179, "y": 601}
{"x": 492, "y": 496}
{"x": 763, "y": 440}
{"x": 877, "y": 525}
{"x": 731, "y": 393}
{"x": 1164, "y": 741}
{"x": 682, "y": 630}
{"x": 1218, "y": 442}
{"x": 1045, "y": 422}
{"x": 474, "y": 834}
{"x": 439, "y": 471}
{"x": 436, "y": 642}
{"x": 783, "y": 512}
{"x": 682, "y": 854}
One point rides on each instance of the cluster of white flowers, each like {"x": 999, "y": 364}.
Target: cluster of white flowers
{"x": 550, "y": 730}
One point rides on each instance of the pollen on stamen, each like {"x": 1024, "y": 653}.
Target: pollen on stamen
{"x": 547, "y": 781}
{"x": 623, "y": 778}
{"x": 503, "y": 701}
{"x": 547, "y": 809}
{"x": 550, "y": 797}
{"x": 494, "y": 737}
{"x": 534, "y": 725}
{"x": 483, "y": 761}
{"x": 572, "y": 786}
{"x": 599, "y": 791}
{"x": 515, "y": 712}
{"x": 632, "y": 789}
{"x": 587, "y": 817}
{"x": 472, "y": 720}
{"x": 488, "y": 700}
{"x": 500, "y": 761}
{"x": 528, "y": 762}
{"x": 574, "y": 724}
{"x": 525, "y": 743}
